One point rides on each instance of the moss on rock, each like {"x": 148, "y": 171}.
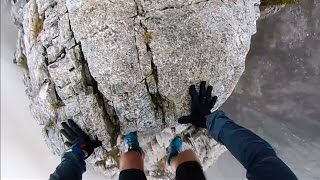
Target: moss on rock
{"x": 265, "y": 3}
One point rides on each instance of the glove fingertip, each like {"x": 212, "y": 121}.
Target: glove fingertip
{"x": 202, "y": 88}
{"x": 209, "y": 89}
{"x": 203, "y": 84}
{"x": 213, "y": 101}
{"x": 192, "y": 90}
{"x": 69, "y": 120}
{"x": 215, "y": 98}
{"x": 64, "y": 124}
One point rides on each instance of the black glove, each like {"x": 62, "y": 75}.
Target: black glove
{"x": 200, "y": 107}
{"x": 79, "y": 138}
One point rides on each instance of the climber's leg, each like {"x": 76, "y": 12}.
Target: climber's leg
{"x": 187, "y": 166}
{"x": 131, "y": 166}
{"x": 131, "y": 162}
{"x": 184, "y": 163}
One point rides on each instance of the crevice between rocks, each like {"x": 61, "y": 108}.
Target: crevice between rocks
{"x": 145, "y": 13}
{"x": 112, "y": 122}
{"x": 180, "y": 7}
{"x": 156, "y": 98}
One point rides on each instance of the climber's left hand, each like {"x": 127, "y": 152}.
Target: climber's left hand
{"x": 77, "y": 137}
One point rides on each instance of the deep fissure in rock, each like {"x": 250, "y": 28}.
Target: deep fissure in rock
{"x": 113, "y": 126}
{"x": 112, "y": 122}
{"x": 182, "y": 6}
{"x": 156, "y": 98}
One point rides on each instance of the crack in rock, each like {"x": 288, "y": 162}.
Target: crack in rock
{"x": 181, "y": 6}
{"x": 113, "y": 125}
{"x": 156, "y": 98}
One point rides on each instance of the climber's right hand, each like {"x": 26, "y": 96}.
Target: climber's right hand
{"x": 77, "y": 138}
{"x": 201, "y": 105}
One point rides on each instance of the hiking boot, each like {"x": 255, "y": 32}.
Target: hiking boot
{"x": 132, "y": 142}
{"x": 174, "y": 149}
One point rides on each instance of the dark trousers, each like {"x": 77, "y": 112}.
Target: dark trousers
{"x": 187, "y": 170}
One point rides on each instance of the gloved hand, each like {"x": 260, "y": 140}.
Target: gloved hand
{"x": 77, "y": 137}
{"x": 200, "y": 107}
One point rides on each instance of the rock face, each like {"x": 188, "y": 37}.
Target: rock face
{"x": 126, "y": 65}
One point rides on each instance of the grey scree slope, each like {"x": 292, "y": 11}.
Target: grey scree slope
{"x": 126, "y": 65}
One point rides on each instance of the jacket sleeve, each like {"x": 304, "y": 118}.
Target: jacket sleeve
{"x": 72, "y": 166}
{"x": 254, "y": 153}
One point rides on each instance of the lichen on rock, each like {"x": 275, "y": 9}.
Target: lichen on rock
{"x": 120, "y": 66}
{"x": 271, "y": 7}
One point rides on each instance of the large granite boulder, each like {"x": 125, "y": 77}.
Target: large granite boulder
{"x": 126, "y": 65}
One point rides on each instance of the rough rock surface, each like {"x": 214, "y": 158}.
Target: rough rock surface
{"x": 120, "y": 66}
{"x": 270, "y": 10}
